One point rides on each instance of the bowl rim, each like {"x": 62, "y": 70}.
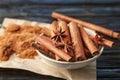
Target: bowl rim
{"x": 63, "y": 62}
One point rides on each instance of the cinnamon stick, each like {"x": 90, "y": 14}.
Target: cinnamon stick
{"x": 77, "y": 42}
{"x": 87, "y": 53}
{"x": 103, "y": 41}
{"x": 42, "y": 49}
{"x": 107, "y": 42}
{"x": 58, "y": 58}
{"x": 100, "y": 29}
{"x": 53, "y": 28}
{"x": 88, "y": 42}
{"x": 46, "y": 42}
{"x": 63, "y": 25}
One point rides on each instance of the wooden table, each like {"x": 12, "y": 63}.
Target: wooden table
{"x": 101, "y": 12}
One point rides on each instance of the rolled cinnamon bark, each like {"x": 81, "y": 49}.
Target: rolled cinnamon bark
{"x": 107, "y": 42}
{"x": 63, "y": 25}
{"x": 103, "y": 41}
{"x": 46, "y": 42}
{"x": 58, "y": 58}
{"x": 100, "y": 29}
{"x": 88, "y": 42}
{"x": 77, "y": 42}
{"x": 53, "y": 28}
{"x": 87, "y": 53}
{"x": 42, "y": 49}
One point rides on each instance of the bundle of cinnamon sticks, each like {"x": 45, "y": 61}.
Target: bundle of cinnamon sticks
{"x": 69, "y": 40}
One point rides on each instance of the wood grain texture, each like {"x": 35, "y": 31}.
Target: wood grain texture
{"x": 18, "y": 74}
{"x": 101, "y": 12}
{"x": 107, "y": 16}
{"x": 56, "y": 1}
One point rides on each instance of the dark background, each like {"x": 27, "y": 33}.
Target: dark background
{"x": 102, "y": 12}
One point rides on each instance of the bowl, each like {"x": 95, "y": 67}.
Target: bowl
{"x": 72, "y": 65}
{"x": 69, "y": 65}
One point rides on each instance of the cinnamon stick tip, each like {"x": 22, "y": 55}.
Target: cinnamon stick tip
{"x": 53, "y": 13}
{"x": 81, "y": 59}
{"x": 113, "y": 44}
{"x": 34, "y": 45}
{"x": 95, "y": 53}
{"x": 119, "y": 37}
{"x": 72, "y": 59}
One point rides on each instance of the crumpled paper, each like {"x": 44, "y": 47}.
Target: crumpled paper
{"x": 38, "y": 65}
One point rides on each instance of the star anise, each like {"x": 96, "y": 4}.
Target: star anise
{"x": 98, "y": 37}
{"x": 98, "y": 40}
{"x": 59, "y": 35}
{"x": 67, "y": 47}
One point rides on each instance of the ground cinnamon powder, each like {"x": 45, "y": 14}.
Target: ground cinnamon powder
{"x": 17, "y": 39}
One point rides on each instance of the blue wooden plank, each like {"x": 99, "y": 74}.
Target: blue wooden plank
{"x": 38, "y": 10}
{"x": 18, "y": 74}
{"x": 108, "y": 78}
{"x": 108, "y": 16}
{"x": 109, "y": 73}
{"x": 56, "y": 1}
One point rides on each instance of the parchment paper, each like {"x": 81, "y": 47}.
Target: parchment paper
{"x": 37, "y": 65}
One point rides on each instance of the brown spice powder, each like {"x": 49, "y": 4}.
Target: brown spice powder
{"x": 17, "y": 39}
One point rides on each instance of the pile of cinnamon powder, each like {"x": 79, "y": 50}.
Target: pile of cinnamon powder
{"x": 17, "y": 39}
